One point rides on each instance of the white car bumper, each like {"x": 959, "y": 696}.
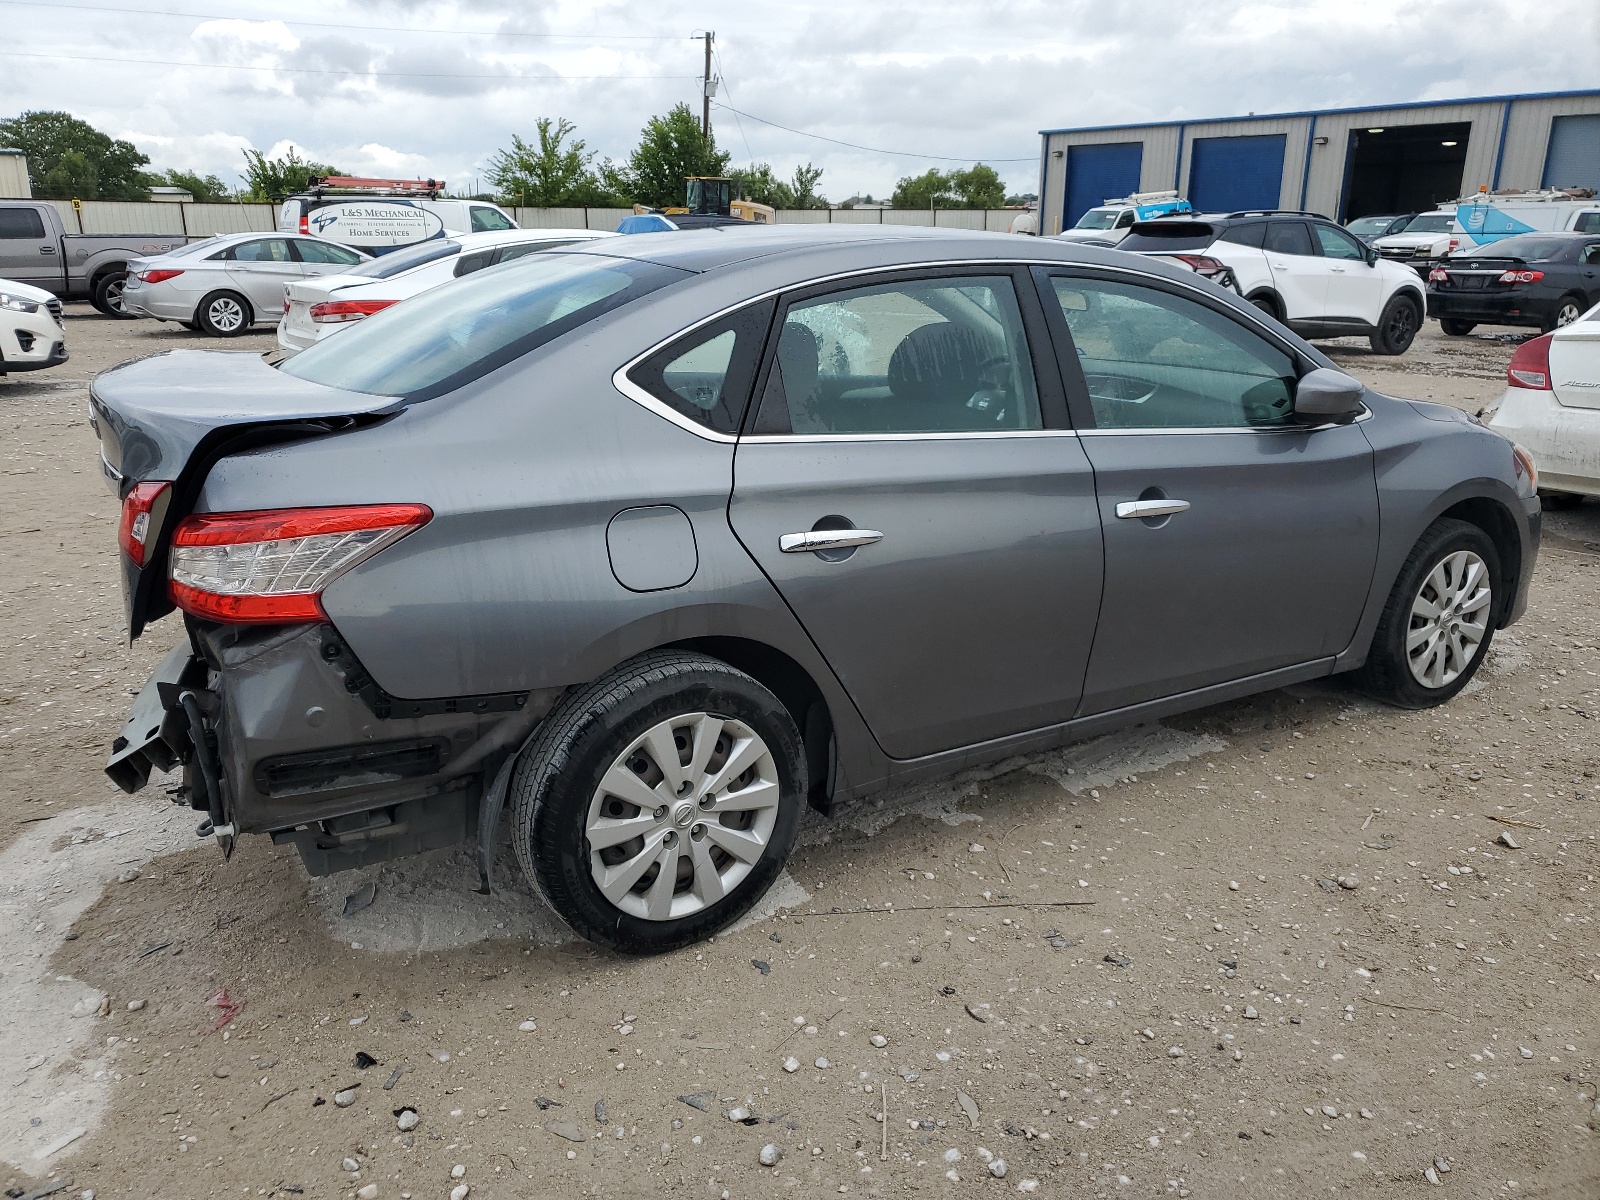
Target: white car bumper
{"x": 1564, "y": 442}
{"x": 31, "y": 341}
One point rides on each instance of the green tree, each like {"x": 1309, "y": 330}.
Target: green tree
{"x": 554, "y": 173}
{"x": 274, "y": 180}
{"x": 671, "y": 148}
{"x": 803, "y": 188}
{"x": 979, "y": 187}
{"x": 68, "y": 158}
{"x": 207, "y": 189}
{"x": 757, "y": 182}
{"x": 932, "y": 189}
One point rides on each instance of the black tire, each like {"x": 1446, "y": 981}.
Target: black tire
{"x": 224, "y": 314}
{"x": 1567, "y": 310}
{"x": 1559, "y": 501}
{"x": 108, "y": 295}
{"x": 559, "y": 779}
{"x": 1387, "y": 674}
{"x": 1397, "y": 327}
{"x": 1266, "y": 304}
{"x": 1455, "y": 327}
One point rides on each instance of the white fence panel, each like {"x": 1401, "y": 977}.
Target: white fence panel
{"x": 607, "y": 219}
{"x": 959, "y": 218}
{"x": 908, "y": 216}
{"x": 802, "y": 216}
{"x": 857, "y": 216}
{"x": 122, "y": 216}
{"x": 552, "y": 218}
{"x": 208, "y": 220}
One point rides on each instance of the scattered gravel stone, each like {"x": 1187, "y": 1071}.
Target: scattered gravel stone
{"x": 365, "y": 1060}
{"x": 1233, "y": 885}
{"x": 1175, "y": 1052}
{"x": 459, "y": 1171}
{"x": 1327, "y": 885}
{"x": 459, "y": 1192}
{"x": 568, "y": 1130}
{"x": 406, "y": 1120}
{"x": 1509, "y": 842}
{"x": 527, "y": 1026}
{"x": 350, "y": 1164}
{"x": 764, "y": 967}
{"x": 129, "y": 875}
{"x": 345, "y": 1098}
{"x": 978, "y": 1012}
{"x": 136, "y": 1005}
{"x": 1116, "y": 960}
{"x": 997, "y": 1168}
{"x": 879, "y": 1040}
{"x": 1525, "y": 1052}
{"x": 221, "y": 1072}
{"x": 1250, "y": 1013}
{"x": 791, "y": 1064}
{"x": 1028, "y": 1185}
{"x": 1439, "y": 1162}
{"x": 1431, "y": 1176}
{"x": 599, "y": 1112}
{"x": 770, "y": 1154}
{"x": 367, "y": 1191}
{"x": 738, "y": 1113}
{"x": 822, "y": 1064}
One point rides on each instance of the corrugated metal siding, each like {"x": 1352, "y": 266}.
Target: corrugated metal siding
{"x": 1155, "y": 170}
{"x": 1574, "y": 157}
{"x": 118, "y": 216}
{"x": 208, "y": 220}
{"x": 1293, "y": 130}
{"x": 1099, "y": 173}
{"x": 14, "y": 177}
{"x": 1528, "y": 140}
{"x": 1328, "y": 162}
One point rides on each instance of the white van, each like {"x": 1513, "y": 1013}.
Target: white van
{"x": 1488, "y": 218}
{"x": 376, "y": 216}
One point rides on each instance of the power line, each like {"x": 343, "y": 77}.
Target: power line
{"x": 872, "y": 149}
{"x": 141, "y": 12}
{"x": 160, "y": 62}
{"x": 722, "y": 74}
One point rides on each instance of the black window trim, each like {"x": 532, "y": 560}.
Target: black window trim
{"x": 696, "y": 335}
{"x": 1072, "y": 373}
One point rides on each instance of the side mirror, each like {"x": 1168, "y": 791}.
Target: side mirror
{"x": 1326, "y": 395}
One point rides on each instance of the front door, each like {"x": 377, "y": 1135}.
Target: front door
{"x": 1298, "y": 275}
{"x": 260, "y": 269}
{"x": 1237, "y": 541}
{"x": 1355, "y": 285}
{"x": 939, "y": 544}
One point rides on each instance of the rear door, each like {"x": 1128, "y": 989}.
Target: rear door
{"x": 1237, "y": 541}
{"x": 909, "y": 486}
{"x": 1355, "y": 288}
{"x": 1299, "y": 276}
{"x": 259, "y": 269}
{"x": 29, "y": 251}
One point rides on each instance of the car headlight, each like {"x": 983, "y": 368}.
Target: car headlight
{"x": 18, "y": 303}
{"x": 1524, "y": 466}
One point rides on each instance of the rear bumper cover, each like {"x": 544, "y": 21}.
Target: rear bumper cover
{"x": 1512, "y": 307}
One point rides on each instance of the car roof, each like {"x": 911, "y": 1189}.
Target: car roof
{"x": 513, "y": 237}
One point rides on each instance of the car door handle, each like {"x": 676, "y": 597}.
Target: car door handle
{"x": 1337, "y": 270}
{"x": 1135, "y": 509}
{"x": 47, "y": 249}
{"x": 829, "y": 539}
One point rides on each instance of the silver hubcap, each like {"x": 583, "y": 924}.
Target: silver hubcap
{"x": 1449, "y": 619}
{"x": 1568, "y": 314}
{"x": 114, "y": 296}
{"x": 682, "y": 816}
{"x": 225, "y": 314}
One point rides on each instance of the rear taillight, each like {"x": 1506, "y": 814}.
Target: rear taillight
{"x": 335, "y": 312}
{"x": 1202, "y": 264}
{"x": 133, "y": 531}
{"x": 1530, "y": 365}
{"x": 1522, "y": 277}
{"x": 1453, "y": 246}
{"x": 158, "y": 275}
{"x": 272, "y": 567}
{"x": 305, "y": 224}
{"x": 1438, "y": 275}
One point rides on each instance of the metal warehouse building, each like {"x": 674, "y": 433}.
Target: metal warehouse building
{"x": 1344, "y": 162}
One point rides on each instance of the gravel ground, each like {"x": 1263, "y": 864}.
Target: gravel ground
{"x": 1274, "y": 948}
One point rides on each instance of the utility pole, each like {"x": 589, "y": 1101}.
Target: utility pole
{"x": 705, "y": 92}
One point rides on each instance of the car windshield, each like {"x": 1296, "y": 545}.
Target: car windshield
{"x": 1431, "y": 223}
{"x": 1365, "y": 227}
{"x": 1530, "y": 247}
{"x": 1097, "y": 218}
{"x": 442, "y": 339}
{"x": 387, "y": 266}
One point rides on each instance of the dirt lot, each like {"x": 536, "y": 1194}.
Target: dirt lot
{"x": 1133, "y": 959}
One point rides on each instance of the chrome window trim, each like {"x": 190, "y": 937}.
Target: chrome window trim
{"x": 623, "y": 384}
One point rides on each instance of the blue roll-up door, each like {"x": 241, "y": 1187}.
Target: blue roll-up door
{"x": 1227, "y": 174}
{"x": 1574, "y": 157}
{"x": 1096, "y": 174}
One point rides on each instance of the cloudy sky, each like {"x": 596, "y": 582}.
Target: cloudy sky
{"x": 407, "y": 87}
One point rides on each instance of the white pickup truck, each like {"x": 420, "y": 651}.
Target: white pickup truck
{"x": 36, "y": 249}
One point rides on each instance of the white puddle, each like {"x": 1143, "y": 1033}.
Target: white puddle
{"x": 55, "y": 1067}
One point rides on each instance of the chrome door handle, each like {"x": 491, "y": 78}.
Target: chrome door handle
{"x": 828, "y": 539}
{"x": 1151, "y": 508}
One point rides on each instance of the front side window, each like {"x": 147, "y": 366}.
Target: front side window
{"x": 313, "y": 251}
{"x": 1125, "y": 221}
{"x": 449, "y": 336}
{"x": 941, "y": 355}
{"x": 1336, "y": 243}
{"x": 264, "y": 250}
{"x": 1155, "y": 360}
{"x": 707, "y": 375}
{"x": 485, "y": 220}
{"x": 1588, "y": 222}
{"x": 21, "y": 223}
{"x": 1288, "y": 237}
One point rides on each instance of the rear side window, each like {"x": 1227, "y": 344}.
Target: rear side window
{"x": 707, "y": 375}
{"x": 447, "y": 337}
{"x": 1169, "y": 236}
{"x": 509, "y": 252}
{"x": 263, "y": 250}
{"x": 477, "y": 261}
{"x": 1288, "y": 237}
{"x": 1246, "y": 235}
{"x": 392, "y": 264}
{"x": 486, "y": 220}
{"x": 21, "y": 223}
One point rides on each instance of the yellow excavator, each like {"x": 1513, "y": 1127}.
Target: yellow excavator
{"x": 709, "y": 201}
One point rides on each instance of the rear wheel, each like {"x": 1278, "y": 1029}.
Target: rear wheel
{"x": 1455, "y": 327}
{"x": 1397, "y": 327}
{"x": 1568, "y": 309}
{"x": 224, "y": 314}
{"x": 660, "y": 801}
{"x": 1439, "y": 619}
{"x": 1265, "y": 302}
{"x": 108, "y": 294}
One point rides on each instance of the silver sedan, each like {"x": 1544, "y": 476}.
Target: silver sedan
{"x": 224, "y": 285}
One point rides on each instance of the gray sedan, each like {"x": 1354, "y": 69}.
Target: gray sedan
{"x": 224, "y": 285}
{"x": 659, "y": 540}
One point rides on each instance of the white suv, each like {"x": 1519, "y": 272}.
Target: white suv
{"x": 1315, "y": 277}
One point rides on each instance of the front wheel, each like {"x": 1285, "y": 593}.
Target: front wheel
{"x": 660, "y": 802}
{"x": 1397, "y": 327}
{"x": 1439, "y": 619}
{"x": 223, "y": 314}
{"x": 1455, "y": 327}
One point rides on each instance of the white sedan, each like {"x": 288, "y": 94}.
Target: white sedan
{"x": 31, "y": 333}
{"x": 318, "y": 308}
{"x": 1552, "y": 407}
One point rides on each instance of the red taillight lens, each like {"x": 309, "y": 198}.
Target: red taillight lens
{"x": 272, "y": 567}
{"x": 335, "y": 312}
{"x": 133, "y": 531}
{"x": 1203, "y": 264}
{"x": 157, "y": 276}
{"x": 1522, "y": 277}
{"x": 1438, "y": 275}
{"x": 305, "y": 224}
{"x": 1530, "y": 365}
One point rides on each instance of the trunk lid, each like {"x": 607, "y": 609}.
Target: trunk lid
{"x": 1479, "y": 272}
{"x": 169, "y": 417}
{"x": 1575, "y": 365}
